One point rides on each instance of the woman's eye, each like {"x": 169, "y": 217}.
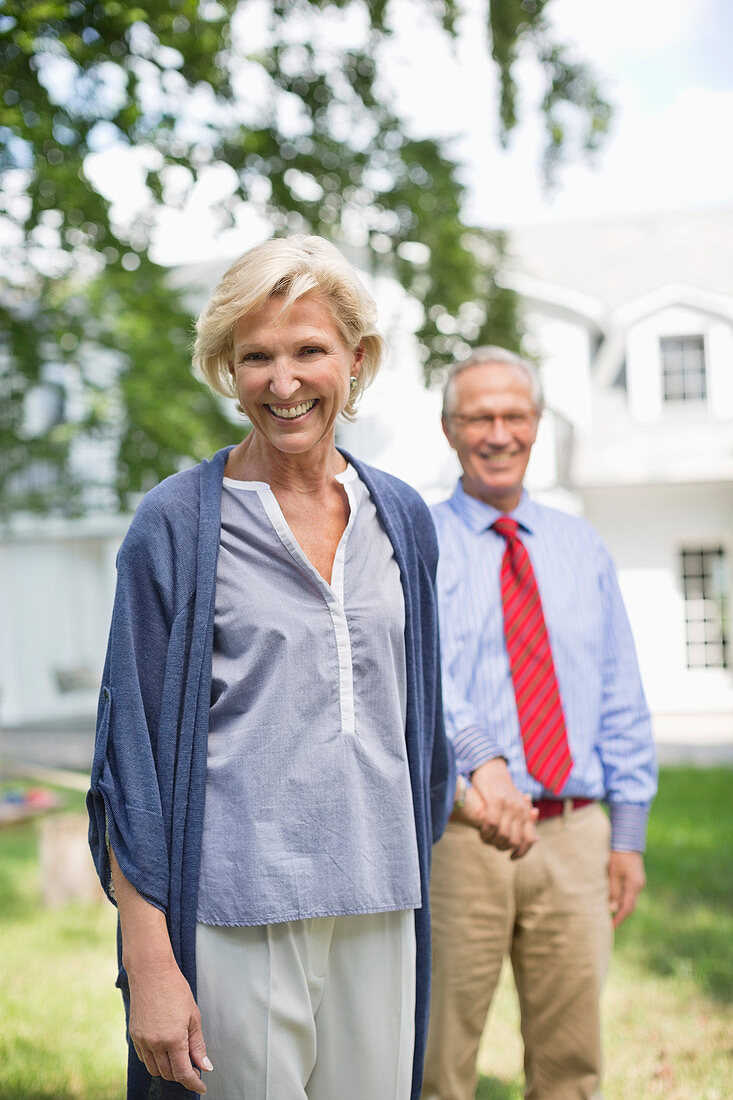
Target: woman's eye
{"x": 252, "y": 357}
{"x": 312, "y": 350}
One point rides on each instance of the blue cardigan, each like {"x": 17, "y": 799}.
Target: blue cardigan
{"x": 149, "y": 771}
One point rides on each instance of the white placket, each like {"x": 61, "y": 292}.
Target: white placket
{"x": 332, "y": 593}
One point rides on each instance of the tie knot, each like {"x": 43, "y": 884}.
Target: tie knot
{"x": 506, "y": 527}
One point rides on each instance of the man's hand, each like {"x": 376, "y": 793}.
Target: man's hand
{"x": 509, "y": 817}
{"x": 165, "y": 1027}
{"x": 626, "y": 880}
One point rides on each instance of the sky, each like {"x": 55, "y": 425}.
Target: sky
{"x": 664, "y": 64}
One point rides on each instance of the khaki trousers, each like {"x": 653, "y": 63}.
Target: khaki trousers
{"x": 309, "y": 1009}
{"x": 549, "y": 913}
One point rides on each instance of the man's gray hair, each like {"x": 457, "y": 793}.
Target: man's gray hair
{"x": 490, "y": 353}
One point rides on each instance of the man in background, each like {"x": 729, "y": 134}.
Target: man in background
{"x": 543, "y": 702}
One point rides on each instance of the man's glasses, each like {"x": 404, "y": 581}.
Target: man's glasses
{"x": 515, "y": 421}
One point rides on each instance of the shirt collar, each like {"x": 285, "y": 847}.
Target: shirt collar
{"x": 479, "y": 516}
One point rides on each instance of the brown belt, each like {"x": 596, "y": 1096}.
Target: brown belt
{"x": 553, "y": 807}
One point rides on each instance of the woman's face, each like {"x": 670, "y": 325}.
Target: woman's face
{"x": 292, "y": 372}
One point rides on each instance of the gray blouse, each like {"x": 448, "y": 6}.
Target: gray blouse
{"x": 308, "y": 803}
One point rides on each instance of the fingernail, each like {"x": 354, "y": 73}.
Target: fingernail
{"x": 206, "y": 1064}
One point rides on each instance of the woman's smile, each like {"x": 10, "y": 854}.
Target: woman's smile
{"x": 292, "y": 412}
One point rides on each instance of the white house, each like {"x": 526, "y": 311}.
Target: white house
{"x": 632, "y": 324}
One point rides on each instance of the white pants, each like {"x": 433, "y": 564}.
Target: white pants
{"x": 317, "y": 1009}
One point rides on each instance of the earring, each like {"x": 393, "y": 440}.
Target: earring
{"x": 352, "y": 385}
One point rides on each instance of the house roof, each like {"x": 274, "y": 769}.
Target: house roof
{"x": 618, "y": 260}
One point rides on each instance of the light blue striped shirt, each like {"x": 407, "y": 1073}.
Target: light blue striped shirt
{"x": 606, "y": 715}
{"x": 308, "y": 809}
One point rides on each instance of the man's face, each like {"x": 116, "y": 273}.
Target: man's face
{"x": 491, "y": 423}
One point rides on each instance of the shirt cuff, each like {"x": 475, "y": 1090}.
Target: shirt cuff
{"x": 628, "y": 826}
{"x": 473, "y": 747}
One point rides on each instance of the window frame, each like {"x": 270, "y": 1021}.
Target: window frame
{"x": 706, "y": 610}
{"x": 688, "y": 394}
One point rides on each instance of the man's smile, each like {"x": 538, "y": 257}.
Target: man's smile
{"x": 501, "y": 458}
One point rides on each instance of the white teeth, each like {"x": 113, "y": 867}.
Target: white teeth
{"x": 296, "y": 410}
{"x": 499, "y": 460}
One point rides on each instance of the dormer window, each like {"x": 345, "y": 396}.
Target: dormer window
{"x": 683, "y": 368}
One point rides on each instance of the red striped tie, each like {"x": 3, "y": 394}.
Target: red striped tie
{"x": 541, "y": 719}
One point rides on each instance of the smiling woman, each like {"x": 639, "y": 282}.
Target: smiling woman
{"x": 271, "y": 767}
{"x": 293, "y": 373}
{"x": 286, "y": 269}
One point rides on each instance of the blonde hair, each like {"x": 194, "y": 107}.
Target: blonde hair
{"x": 287, "y": 268}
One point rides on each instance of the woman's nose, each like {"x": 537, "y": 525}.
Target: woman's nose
{"x": 283, "y": 381}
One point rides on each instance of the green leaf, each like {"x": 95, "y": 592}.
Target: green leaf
{"x": 78, "y": 288}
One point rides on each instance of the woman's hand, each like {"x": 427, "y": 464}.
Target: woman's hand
{"x": 505, "y": 819}
{"x": 165, "y": 1023}
{"x": 472, "y": 811}
{"x": 509, "y": 817}
{"x": 165, "y": 1027}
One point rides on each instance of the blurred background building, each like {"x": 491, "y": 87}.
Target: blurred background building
{"x": 631, "y": 321}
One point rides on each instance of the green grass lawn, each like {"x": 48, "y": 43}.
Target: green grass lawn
{"x": 668, "y": 1016}
{"x": 61, "y": 1019}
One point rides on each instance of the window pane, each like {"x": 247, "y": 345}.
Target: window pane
{"x": 706, "y": 590}
{"x": 695, "y": 631}
{"x": 711, "y": 632}
{"x": 696, "y": 656}
{"x": 694, "y": 387}
{"x": 674, "y": 386}
{"x": 683, "y": 368}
